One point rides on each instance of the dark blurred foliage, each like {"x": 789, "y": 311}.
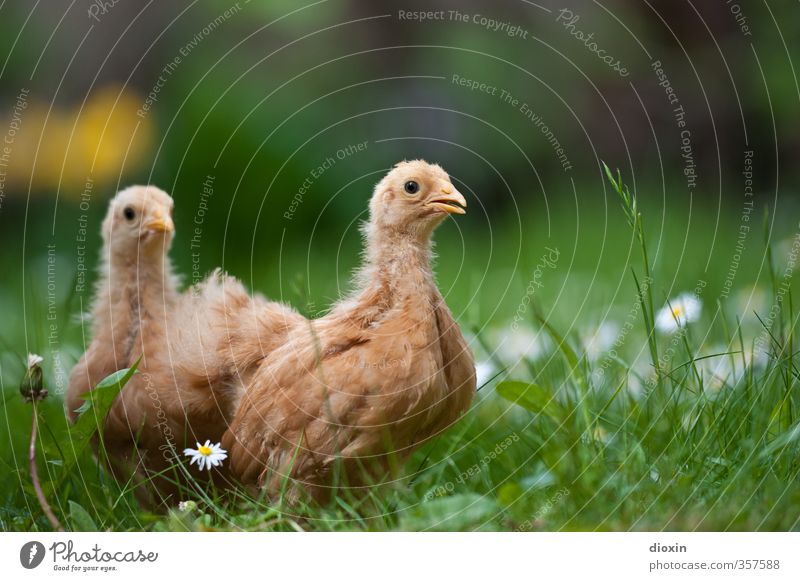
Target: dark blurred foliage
{"x": 276, "y": 88}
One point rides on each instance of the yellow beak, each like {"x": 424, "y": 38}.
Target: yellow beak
{"x": 160, "y": 223}
{"x": 450, "y": 201}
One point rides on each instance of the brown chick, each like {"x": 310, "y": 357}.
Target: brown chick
{"x": 196, "y": 347}
{"x": 348, "y": 394}
{"x": 135, "y": 290}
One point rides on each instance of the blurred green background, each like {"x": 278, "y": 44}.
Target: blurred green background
{"x": 253, "y": 97}
{"x": 251, "y": 114}
{"x": 257, "y": 95}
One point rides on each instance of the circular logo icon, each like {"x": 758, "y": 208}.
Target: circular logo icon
{"x": 31, "y": 554}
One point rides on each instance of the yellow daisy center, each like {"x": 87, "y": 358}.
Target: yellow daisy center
{"x": 204, "y": 450}
{"x": 677, "y": 311}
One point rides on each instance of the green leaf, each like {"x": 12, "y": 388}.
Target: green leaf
{"x": 81, "y": 520}
{"x": 532, "y": 397}
{"x": 98, "y": 402}
{"x": 93, "y": 412}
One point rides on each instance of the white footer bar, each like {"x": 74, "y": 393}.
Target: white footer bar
{"x": 401, "y": 556}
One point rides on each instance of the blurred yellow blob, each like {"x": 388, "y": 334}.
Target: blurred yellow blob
{"x": 99, "y": 142}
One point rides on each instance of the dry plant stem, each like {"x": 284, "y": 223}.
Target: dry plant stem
{"x": 35, "y": 475}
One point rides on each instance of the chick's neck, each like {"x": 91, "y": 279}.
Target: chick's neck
{"x": 398, "y": 266}
{"x": 132, "y": 291}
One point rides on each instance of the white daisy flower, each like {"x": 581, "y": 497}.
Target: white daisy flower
{"x": 206, "y": 455}
{"x": 679, "y": 312}
{"x": 34, "y": 360}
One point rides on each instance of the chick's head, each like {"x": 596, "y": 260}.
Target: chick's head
{"x": 414, "y": 197}
{"x": 139, "y": 221}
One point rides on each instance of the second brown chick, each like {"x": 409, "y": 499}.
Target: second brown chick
{"x": 196, "y": 347}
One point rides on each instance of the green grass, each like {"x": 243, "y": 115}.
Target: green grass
{"x": 645, "y": 430}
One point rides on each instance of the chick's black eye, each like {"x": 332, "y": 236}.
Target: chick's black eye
{"x": 129, "y": 213}
{"x": 411, "y": 187}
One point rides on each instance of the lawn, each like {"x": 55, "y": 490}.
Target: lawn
{"x": 596, "y": 411}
